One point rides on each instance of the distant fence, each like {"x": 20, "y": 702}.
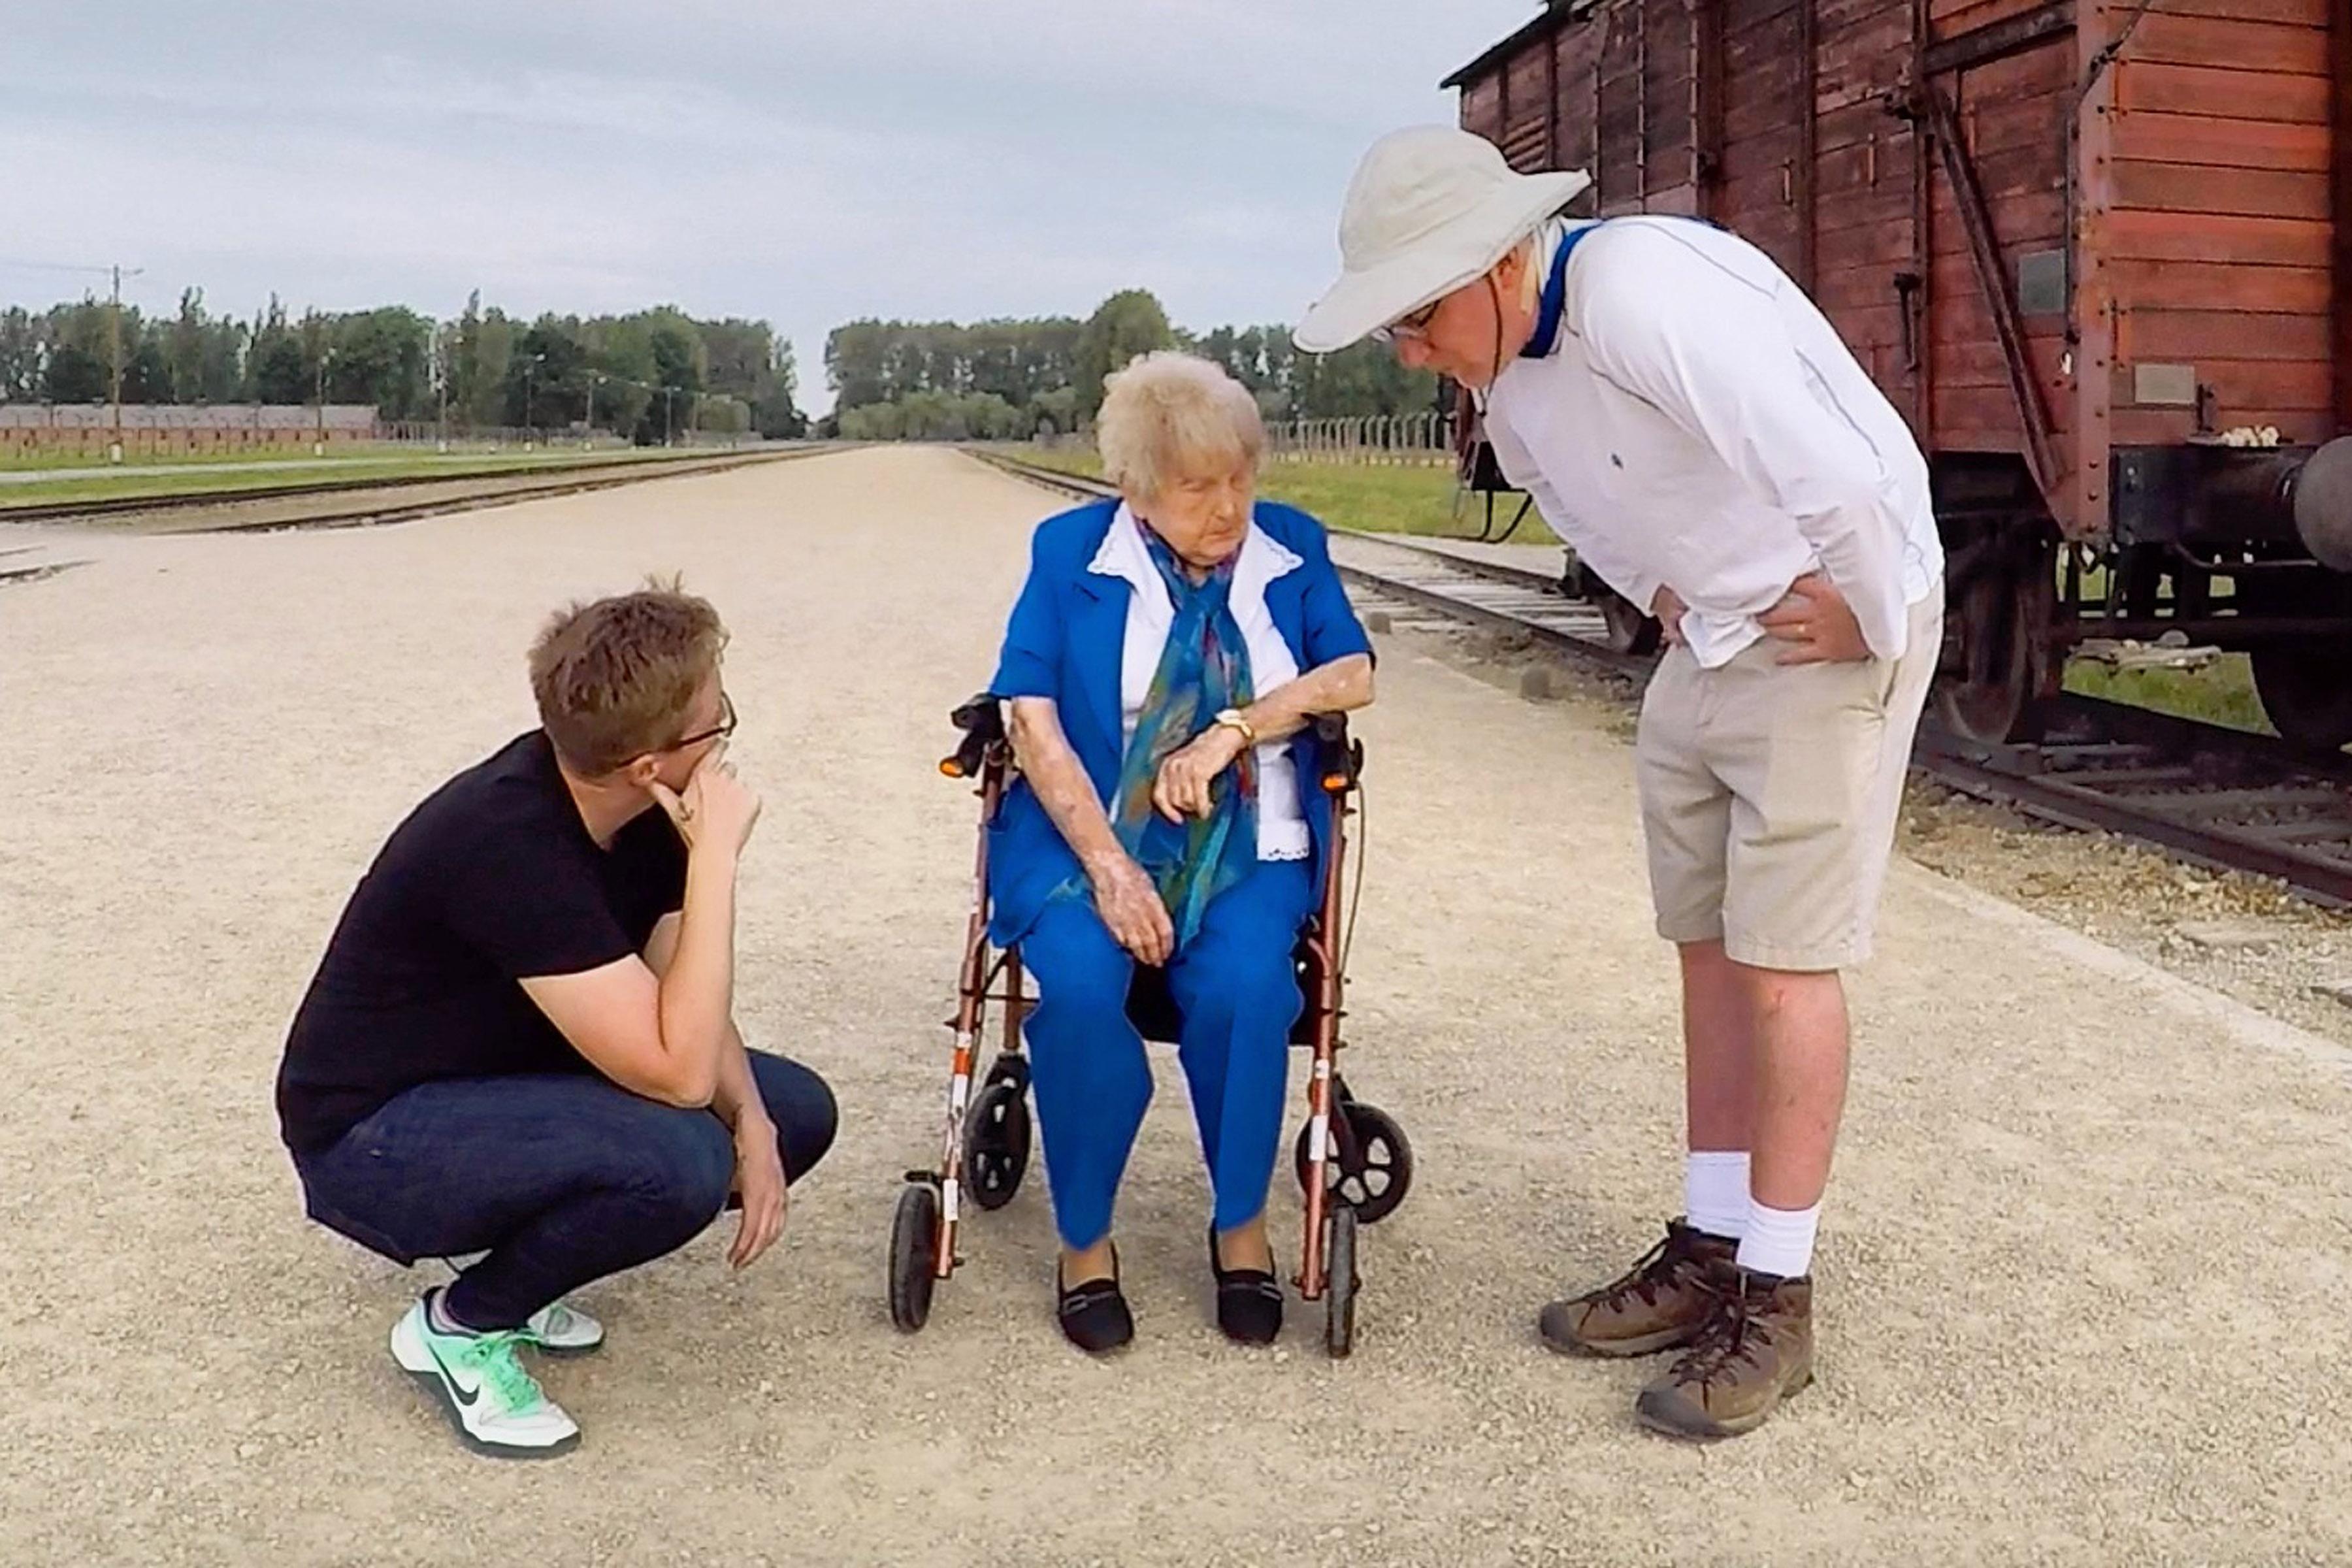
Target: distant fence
{"x": 1404, "y": 438}
{"x": 1422, "y": 439}
{"x": 427, "y": 431}
{"x": 148, "y": 430}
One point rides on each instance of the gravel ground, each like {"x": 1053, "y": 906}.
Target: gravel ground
{"x": 2081, "y": 1280}
{"x": 2247, "y": 936}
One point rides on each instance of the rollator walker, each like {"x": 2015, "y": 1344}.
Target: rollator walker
{"x": 1353, "y": 1164}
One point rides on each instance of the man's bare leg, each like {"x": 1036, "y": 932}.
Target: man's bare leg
{"x": 1718, "y": 1089}
{"x": 1800, "y": 1075}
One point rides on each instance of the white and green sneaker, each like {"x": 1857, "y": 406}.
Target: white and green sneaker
{"x": 499, "y": 1408}
{"x": 558, "y": 1329}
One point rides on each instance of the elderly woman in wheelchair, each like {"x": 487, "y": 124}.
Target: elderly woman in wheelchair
{"x": 1161, "y": 664}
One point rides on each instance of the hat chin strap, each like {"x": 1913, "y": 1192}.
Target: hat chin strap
{"x": 1479, "y": 395}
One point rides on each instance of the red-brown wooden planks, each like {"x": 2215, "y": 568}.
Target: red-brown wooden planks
{"x": 1952, "y": 17}
{"x": 2251, "y": 193}
{"x": 2302, "y": 12}
{"x": 2232, "y": 45}
{"x": 2209, "y": 142}
{"x": 2193, "y": 335}
{"x": 2235, "y": 94}
{"x": 2217, "y": 237}
{"x": 2220, "y": 286}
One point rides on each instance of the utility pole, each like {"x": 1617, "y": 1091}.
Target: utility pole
{"x": 667, "y": 394}
{"x": 114, "y": 354}
{"x": 530, "y": 418}
{"x": 326, "y": 356}
{"x": 593, "y": 378}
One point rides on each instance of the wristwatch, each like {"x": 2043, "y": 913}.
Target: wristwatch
{"x": 1231, "y": 718}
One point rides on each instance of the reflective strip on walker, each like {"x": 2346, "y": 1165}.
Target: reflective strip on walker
{"x": 951, "y": 1198}
{"x": 959, "y": 1096}
{"x": 1318, "y": 1138}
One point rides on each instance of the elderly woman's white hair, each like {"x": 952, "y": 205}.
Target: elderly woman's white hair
{"x": 1169, "y": 416}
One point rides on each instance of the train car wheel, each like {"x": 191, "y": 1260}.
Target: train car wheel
{"x": 1631, "y": 630}
{"x": 2304, "y": 691}
{"x": 2001, "y": 618}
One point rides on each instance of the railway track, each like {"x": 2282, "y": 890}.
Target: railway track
{"x": 360, "y": 501}
{"x": 2214, "y": 797}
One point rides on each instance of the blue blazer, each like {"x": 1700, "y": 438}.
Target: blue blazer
{"x": 1065, "y": 640}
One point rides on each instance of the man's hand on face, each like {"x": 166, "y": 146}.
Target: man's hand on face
{"x": 716, "y": 809}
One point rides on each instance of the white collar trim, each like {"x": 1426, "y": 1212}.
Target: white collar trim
{"x": 1262, "y": 559}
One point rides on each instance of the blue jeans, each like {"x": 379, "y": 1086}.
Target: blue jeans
{"x": 1233, "y": 984}
{"x": 561, "y": 1178}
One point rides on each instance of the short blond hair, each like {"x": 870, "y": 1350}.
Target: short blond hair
{"x": 1170, "y": 414}
{"x": 617, "y": 678}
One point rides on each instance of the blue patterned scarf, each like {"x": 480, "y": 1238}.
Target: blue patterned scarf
{"x": 1203, "y": 671}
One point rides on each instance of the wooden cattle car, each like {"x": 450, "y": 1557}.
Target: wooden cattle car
{"x": 2098, "y": 251}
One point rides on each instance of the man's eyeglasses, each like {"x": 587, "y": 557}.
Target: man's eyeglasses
{"x": 1415, "y": 325}
{"x": 725, "y": 727}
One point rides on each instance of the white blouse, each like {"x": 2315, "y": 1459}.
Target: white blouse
{"x": 1281, "y": 825}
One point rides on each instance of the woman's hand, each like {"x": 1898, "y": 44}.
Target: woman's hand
{"x": 1184, "y": 785}
{"x": 1130, "y": 907}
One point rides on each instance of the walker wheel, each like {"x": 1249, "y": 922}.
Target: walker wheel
{"x": 1370, "y": 1165}
{"x": 914, "y": 1240}
{"x": 1340, "y": 1283}
{"x": 996, "y": 1143}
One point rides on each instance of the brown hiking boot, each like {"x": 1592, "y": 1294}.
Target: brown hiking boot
{"x": 1656, "y": 1305}
{"x": 1755, "y": 1350}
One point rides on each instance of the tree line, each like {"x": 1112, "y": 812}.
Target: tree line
{"x": 1018, "y": 379}
{"x": 645, "y": 375}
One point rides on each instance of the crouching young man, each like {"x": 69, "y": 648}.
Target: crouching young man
{"x": 519, "y": 1042}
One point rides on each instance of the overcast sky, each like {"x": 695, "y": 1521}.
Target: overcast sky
{"x": 803, "y": 164}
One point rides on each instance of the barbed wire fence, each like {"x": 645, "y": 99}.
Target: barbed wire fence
{"x": 1418, "y": 440}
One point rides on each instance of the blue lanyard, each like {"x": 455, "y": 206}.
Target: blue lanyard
{"x": 1555, "y": 296}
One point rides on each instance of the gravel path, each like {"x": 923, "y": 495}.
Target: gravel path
{"x": 2082, "y": 1277}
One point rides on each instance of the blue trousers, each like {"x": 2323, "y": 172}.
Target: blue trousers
{"x": 560, "y": 1178}
{"x": 1234, "y": 985}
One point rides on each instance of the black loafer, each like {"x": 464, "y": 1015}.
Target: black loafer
{"x": 1094, "y": 1316}
{"x": 1249, "y": 1301}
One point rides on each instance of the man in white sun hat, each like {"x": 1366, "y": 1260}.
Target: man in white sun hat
{"x": 1691, "y": 425}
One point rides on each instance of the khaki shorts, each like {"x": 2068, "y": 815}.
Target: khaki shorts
{"x": 1769, "y": 794}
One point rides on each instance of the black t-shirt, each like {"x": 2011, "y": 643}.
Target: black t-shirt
{"x": 493, "y": 879}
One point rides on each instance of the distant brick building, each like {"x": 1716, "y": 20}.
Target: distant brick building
{"x": 87, "y": 430}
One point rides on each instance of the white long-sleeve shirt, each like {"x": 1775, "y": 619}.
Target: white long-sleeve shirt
{"x": 1699, "y": 425}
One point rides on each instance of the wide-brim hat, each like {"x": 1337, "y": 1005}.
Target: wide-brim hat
{"x": 1431, "y": 208}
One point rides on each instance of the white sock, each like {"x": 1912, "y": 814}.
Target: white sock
{"x": 1714, "y": 1192}
{"x": 1779, "y": 1241}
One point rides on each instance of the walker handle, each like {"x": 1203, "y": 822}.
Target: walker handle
{"x": 983, "y": 724}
